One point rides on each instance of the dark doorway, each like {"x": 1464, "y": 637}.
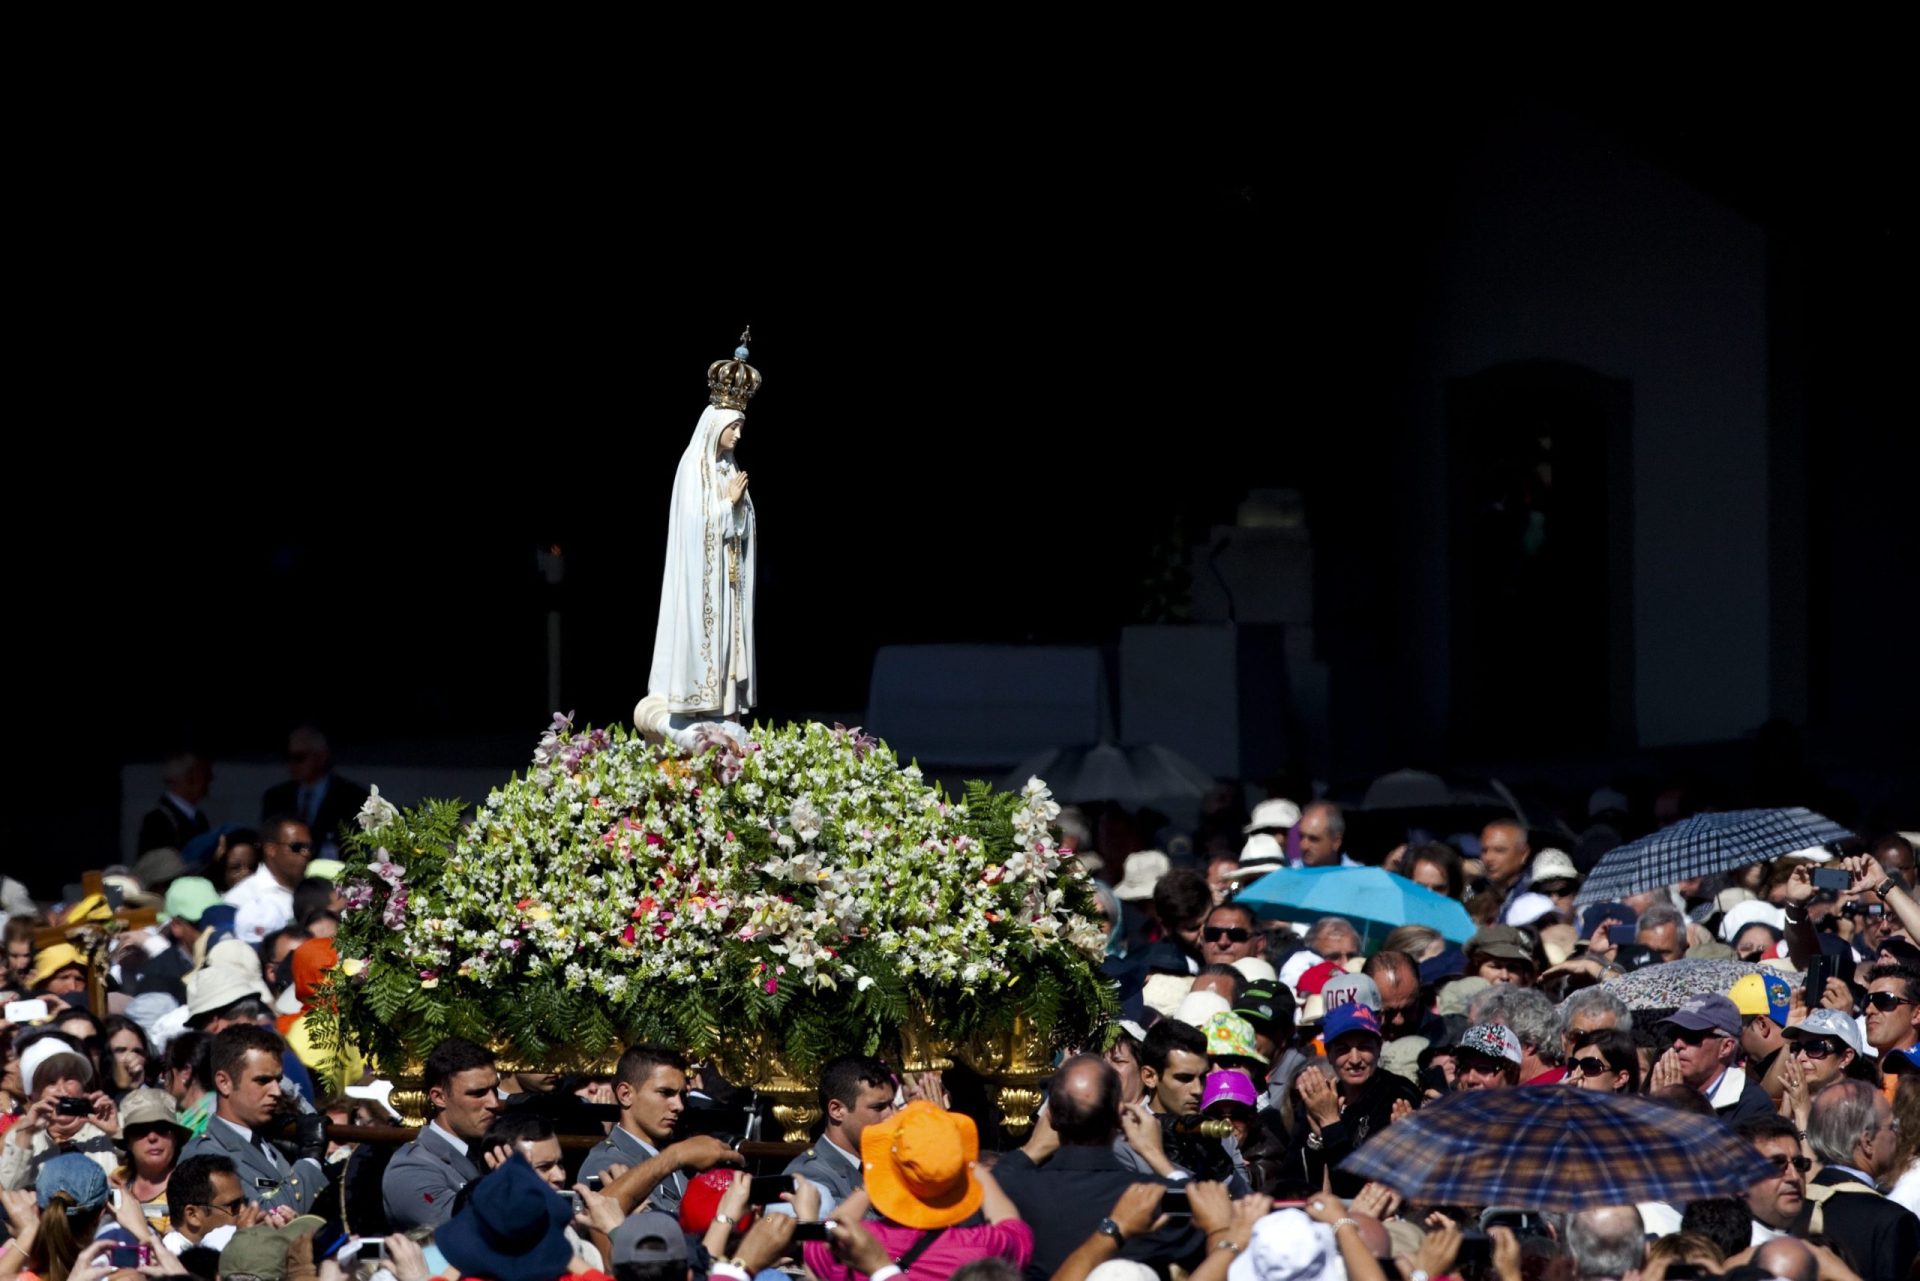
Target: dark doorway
{"x": 1540, "y": 557}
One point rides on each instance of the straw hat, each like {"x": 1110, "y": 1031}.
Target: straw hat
{"x": 919, "y": 1166}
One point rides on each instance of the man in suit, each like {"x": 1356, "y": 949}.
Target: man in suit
{"x": 1851, "y": 1128}
{"x": 650, "y": 1086}
{"x": 855, "y": 1092}
{"x": 246, "y": 1077}
{"x": 463, "y": 1096}
{"x": 176, "y": 818}
{"x": 1068, "y": 1177}
{"x": 314, "y": 794}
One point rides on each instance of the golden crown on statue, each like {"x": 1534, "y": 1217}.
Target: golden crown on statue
{"x": 731, "y": 383}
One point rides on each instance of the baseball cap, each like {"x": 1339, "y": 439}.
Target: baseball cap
{"x": 650, "y": 1236}
{"x": 1229, "y": 1087}
{"x": 1897, "y": 1062}
{"x": 1494, "y": 1040}
{"x": 1833, "y": 1023}
{"x": 78, "y": 1176}
{"x": 701, "y": 1201}
{"x": 1352, "y": 1017}
{"x": 1266, "y": 1004}
{"x": 1706, "y": 1012}
{"x": 187, "y": 898}
{"x": 1767, "y": 994}
{"x": 1502, "y": 941}
{"x": 1346, "y": 989}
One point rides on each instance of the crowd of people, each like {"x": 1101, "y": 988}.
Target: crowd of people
{"x": 182, "y": 1129}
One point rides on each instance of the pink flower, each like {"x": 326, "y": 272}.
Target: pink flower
{"x": 654, "y": 839}
{"x": 627, "y": 936}
{"x": 772, "y": 986}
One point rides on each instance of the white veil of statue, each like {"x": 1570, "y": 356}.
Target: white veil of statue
{"x": 703, "y": 665}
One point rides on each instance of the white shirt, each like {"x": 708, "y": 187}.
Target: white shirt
{"x": 262, "y": 888}
{"x": 1906, "y": 1189}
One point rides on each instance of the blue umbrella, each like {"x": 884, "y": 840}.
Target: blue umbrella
{"x": 1366, "y": 896}
{"x": 1703, "y": 845}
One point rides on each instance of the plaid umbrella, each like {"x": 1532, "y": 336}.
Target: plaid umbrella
{"x": 1663, "y": 987}
{"x": 1702, "y": 845}
{"x": 1551, "y": 1147}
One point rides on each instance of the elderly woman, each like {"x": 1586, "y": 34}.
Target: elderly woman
{"x": 1337, "y": 1116}
{"x": 65, "y": 1114}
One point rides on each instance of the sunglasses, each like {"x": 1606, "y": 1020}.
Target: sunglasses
{"x": 1800, "y": 1163}
{"x": 1592, "y": 1067}
{"x": 1887, "y": 1002}
{"x": 234, "y": 1206}
{"x": 1816, "y": 1049}
{"x": 1691, "y": 1037}
{"x": 300, "y": 847}
{"x": 1217, "y": 933}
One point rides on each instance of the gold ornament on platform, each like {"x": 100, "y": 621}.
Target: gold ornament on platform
{"x": 755, "y": 1059}
{"x": 923, "y": 1048}
{"x": 1014, "y": 1062}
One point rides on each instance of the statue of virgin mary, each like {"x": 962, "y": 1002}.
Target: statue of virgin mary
{"x": 703, "y": 651}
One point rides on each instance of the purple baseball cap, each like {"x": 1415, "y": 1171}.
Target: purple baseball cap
{"x": 1228, "y": 1087}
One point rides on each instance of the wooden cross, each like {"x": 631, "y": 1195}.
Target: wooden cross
{"x": 94, "y": 941}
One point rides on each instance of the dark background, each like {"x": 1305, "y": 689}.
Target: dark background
{"x": 301, "y": 398}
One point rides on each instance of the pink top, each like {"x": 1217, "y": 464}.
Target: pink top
{"x": 1011, "y": 1239}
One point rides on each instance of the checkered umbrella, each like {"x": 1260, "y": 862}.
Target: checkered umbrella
{"x": 1552, "y": 1147}
{"x": 1702, "y": 845}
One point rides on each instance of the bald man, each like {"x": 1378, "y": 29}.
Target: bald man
{"x": 1064, "y": 1191}
{"x": 1786, "y": 1257}
{"x": 1610, "y": 1241}
{"x": 1504, "y": 852}
{"x": 1323, "y": 831}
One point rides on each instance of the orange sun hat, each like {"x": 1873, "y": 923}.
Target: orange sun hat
{"x": 919, "y": 1166}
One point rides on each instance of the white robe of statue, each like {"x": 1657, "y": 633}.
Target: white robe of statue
{"x": 703, "y": 666}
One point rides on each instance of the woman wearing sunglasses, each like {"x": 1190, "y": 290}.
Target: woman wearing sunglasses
{"x": 1604, "y": 1059}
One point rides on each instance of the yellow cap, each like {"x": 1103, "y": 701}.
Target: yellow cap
{"x": 1766, "y": 994}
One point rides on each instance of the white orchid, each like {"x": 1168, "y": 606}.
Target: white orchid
{"x": 377, "y": 811}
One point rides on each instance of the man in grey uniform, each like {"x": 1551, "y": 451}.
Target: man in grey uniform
{"x": 855, "y": 1092}
{"x": 246, "y": 1076}
{"x": 463, "y": 1097}
{"x": 650, "y": 1085}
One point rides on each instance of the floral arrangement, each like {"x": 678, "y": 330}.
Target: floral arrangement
{"x": 801, "y": 883}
